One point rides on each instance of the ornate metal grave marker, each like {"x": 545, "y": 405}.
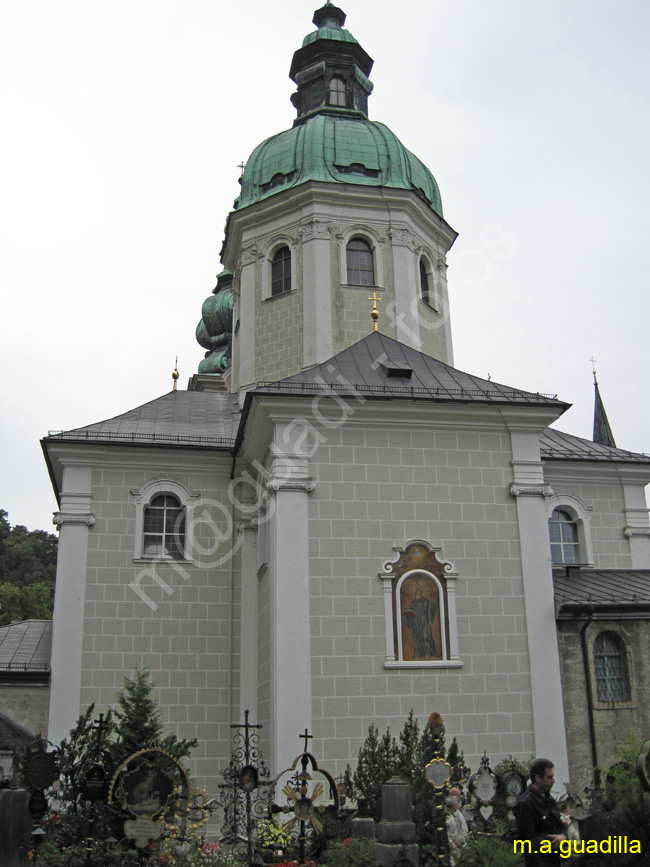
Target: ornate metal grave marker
{"x": 245, "y": 794}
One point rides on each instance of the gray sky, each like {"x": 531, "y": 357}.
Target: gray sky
{"x": 124, "y": 122}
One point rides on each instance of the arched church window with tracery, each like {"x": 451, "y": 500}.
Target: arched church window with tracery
{"x": 164, "y": 528}
{"x": 360, "y": 263}
{"x": 610, "y": 665}
{"x": 281, "y": 271}
{"x": 337, "y": 91}
{"x": 563, "y": 532}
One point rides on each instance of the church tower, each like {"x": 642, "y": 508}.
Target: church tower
{"x": 331, "y": 211}
{"x": 333, "y": 526}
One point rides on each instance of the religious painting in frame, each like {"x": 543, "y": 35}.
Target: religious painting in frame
{"x": 420, "y": 609}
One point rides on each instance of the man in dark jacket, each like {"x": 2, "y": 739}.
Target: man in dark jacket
{"x": 539, "y": 827}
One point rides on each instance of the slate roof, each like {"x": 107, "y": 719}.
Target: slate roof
{"x": 556, "y": 445}
{"x": 614, "y": 589}
{"x": 11, "y": 732}
{"x": 26, "y": 646}
{"x": 190, "y": 418}
{"x": 378, "y": 366}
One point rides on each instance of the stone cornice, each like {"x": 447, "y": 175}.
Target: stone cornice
{"x": 61, "y": 518}
{"x": 531, "y": 490}
{"x": 306, "y": 485}
{"x": 636, "y": 531}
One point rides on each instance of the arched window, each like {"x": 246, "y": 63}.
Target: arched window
{"x": 360, "y": 263}
{"x": 424, "y": 282}
{"x": 281, "y": 271}
{"x": 610, "y": 664}
{"x": 563, "y": 531}
{"x": 164, "y": 528}
{"x": 337, "y": 91}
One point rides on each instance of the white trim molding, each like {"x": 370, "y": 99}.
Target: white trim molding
{"x": 266, "y": 259}
{"x": 377, "y": 245}
{"x": 580, "y": 512}
{"x": 143, "y": 495}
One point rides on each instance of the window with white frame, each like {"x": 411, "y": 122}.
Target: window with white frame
{"x": 610, "y": 667}
{"x": 360, "y": 263}
{"x": 281, "y": 271}
{"x": 163, "y": 524}
{"x": 563, "y": 532}
{"x": 569, "y": 530}
{"x": 164, "y": 528}
{"x": 425, "y": 282}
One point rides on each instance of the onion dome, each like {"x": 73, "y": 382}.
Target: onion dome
{"x": 214, "y": 331}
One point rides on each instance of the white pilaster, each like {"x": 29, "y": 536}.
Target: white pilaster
{"x": 290, "y": 630}
{"x": 249, "y": 621}
{"x": 546, "y": 685}
{"x": 245, "y": 377}
{"x": 406, "y": 287}
{"x": 317, "y": 294}
{"x": 74, "y": 521}
{"x": 637, "y": 528}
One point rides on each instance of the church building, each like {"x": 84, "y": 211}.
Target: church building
{"x": 333, "y": 525}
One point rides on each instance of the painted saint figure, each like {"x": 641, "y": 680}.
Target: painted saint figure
{"x": 420, "y": 616}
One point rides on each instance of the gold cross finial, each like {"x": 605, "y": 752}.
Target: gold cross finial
{"x": 374, "y": 313}
{"x": 175, "y": 374}
{"x": 593, "y": 366}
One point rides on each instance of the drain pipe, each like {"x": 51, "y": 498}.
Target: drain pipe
{"x": 590, "y": 609}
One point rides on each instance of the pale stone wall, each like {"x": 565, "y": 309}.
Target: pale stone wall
{"x": 376, "y": 488}
{"x": 616, "y": 723}
{"x": 269, "y": 339}
{"x": 278, "y": 329}
{"x": 185, "y": 642}
{"x": 26, "y": 704}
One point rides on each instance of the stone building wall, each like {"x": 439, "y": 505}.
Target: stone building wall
{"x": 181, "y": 629}
{"x": 376, "y": 488}
{"x": 615, "y": 723}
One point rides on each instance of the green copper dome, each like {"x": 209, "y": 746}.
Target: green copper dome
{"x": 332, "y": 139}
{"x": 335, "y": 149}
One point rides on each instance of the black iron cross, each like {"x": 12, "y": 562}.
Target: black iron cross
{"x": 307, "y": 737}
{"x": 99, "y": 727}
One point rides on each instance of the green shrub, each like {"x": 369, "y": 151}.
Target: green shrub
{"x": 488, "y": 852}
{"x": 350, "y": 853}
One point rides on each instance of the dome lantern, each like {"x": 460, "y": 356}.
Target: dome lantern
{"x": 331, "y": 69}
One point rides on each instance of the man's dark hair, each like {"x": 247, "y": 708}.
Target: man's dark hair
{"x": 539, "y": 767}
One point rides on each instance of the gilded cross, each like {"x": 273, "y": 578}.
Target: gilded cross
{"x": 374, "y": 313}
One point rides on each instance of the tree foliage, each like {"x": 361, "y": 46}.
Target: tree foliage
{"x": 138, "y": 722}
{"x": 382, "y": 757}
{"x": 27, "y": 572}
{"x": 134, "y": 727}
